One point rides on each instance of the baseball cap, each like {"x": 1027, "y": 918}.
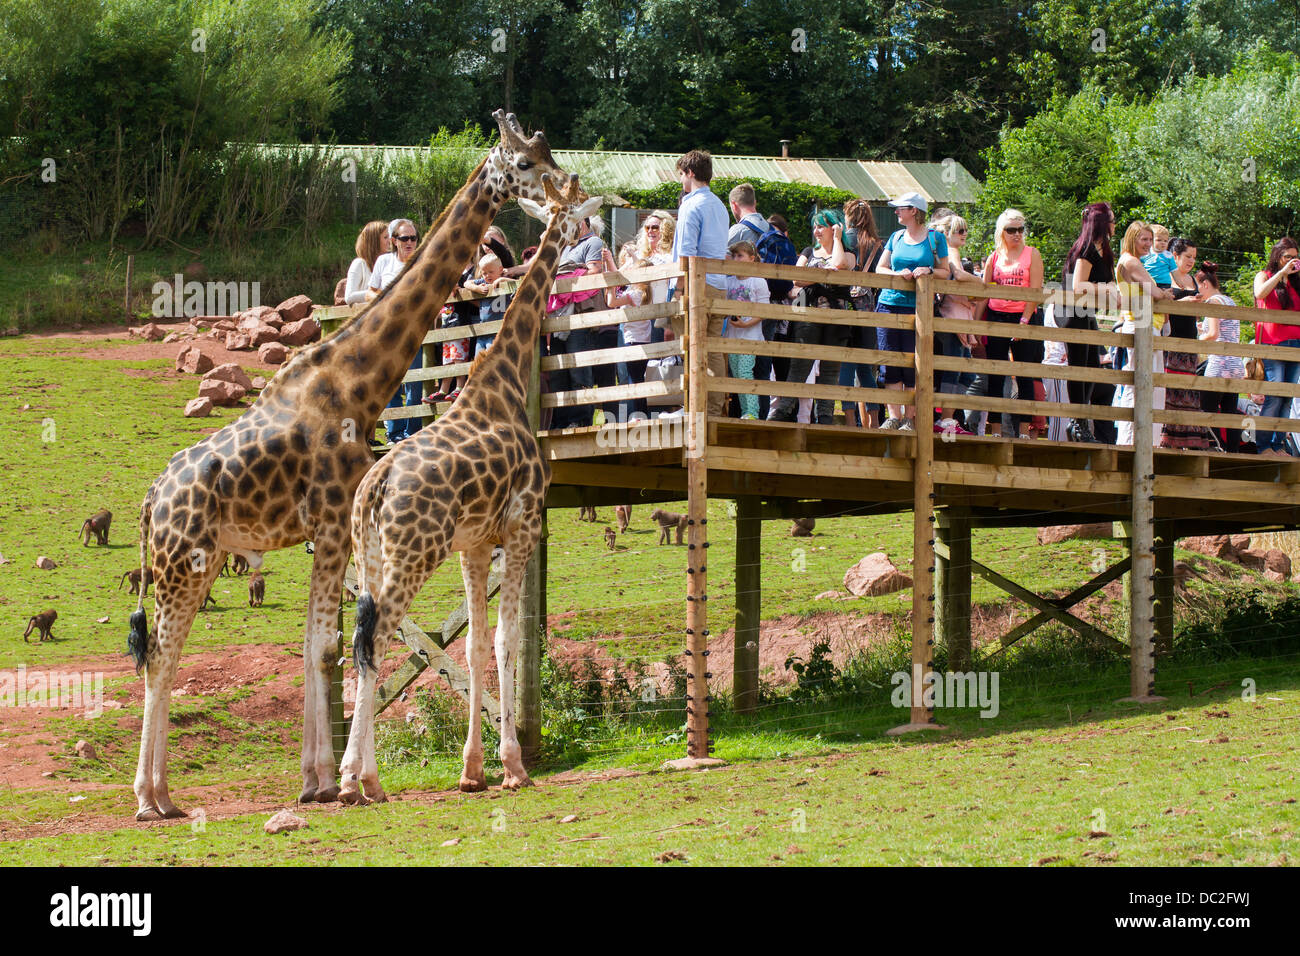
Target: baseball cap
{"x": 911, "y": 199}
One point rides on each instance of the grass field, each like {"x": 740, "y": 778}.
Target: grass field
{"x": 1062, "y": 774}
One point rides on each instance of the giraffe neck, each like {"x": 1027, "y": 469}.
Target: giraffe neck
{"x": 381, "y": 343}
{"x": 511, "y": 355}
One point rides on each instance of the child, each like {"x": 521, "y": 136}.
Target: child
{"x": 749, "y": 289}
{"x": 490, "y": 272}
{"x": 1159, "y": 262}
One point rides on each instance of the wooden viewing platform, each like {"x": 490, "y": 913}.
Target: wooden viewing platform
{"x": 951, "y": 483}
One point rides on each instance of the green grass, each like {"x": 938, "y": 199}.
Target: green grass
{"x": 1204, "y": 780}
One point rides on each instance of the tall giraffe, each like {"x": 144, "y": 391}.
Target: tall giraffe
{"x": 286, "y": 471}
{"x": 472, "y": 480}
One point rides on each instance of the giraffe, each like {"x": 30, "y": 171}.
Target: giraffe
{"x": 286, "y": 470}
{"x": 472, "y": 480}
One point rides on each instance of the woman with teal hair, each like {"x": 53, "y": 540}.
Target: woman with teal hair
{"x": 828, "y": 253}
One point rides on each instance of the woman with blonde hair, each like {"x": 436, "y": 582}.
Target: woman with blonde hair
{"x": 1012, "y": 263}
{"x": 372, "y": 242}
{"x": 1135, "y": 284}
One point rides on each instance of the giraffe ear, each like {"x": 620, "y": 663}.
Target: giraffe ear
{"x": 590, "y": 206}
{"x": 533, "y": 209}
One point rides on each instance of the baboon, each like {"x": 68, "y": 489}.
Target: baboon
{"x": 802, "y": 527}
{"x": 42, "y": 624}
{"x": 623, "y": 514}
{"x": 668, "y": 520}
{"x": 610, "y": 537}
{"x": 97, "y": 524}
{"x": 134, "y": 577}
{"x": 235, "y": 564}
{"x": 208, "y": 600}
{"x": 256, "y": 589}
{"x": 587, "y": 513}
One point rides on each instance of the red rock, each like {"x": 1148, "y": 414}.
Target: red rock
{"x": 1055, "y": 534}
{"x": 198, "y": 408}
{"x": 1182, "y": 571}
{"x": 192, "y": 359}
{"x": 238, "y": 342}
{"x": 1216, "y": 546}
{"x": 1278, "y": 562}
{"x": 262, "y": 335}
{"x": 230, "y": 372}
{"x": 224, "y": 325}
{"x": 171, "y": 337}
{"x": 273, "y": 353}
{"x": 259, "y": 383}
{"x": 252, "y": 318}
{"x": 275, "y": 320}
{"x": 283, "y": 822}
{"x": 221, "y": 392}
{"x": 1240, "y": 542}
{"x": 150, "y": 332}
{"x": 300, "y": 332}
{"x": 1254, "y": 560}
{"x": 295, "y": 309}
{"x": 874, "y": 575}
{"x": 340, "y": 291}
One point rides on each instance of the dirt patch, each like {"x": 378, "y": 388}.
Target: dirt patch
{"x": 137, "y": 350}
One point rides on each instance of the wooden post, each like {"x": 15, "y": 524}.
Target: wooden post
{"x": 923, "y": 611}
{"x": 697, "y": 537}
{"x": 429, "y": 386}
{"x": 1164, "y": 588}
{"x": 528, "y": 698}
{"x": 749, "y": 593}
{"x": 130, "y": 275}
{"x": 952, "y": 585}
{"x": 1142, "y": 542}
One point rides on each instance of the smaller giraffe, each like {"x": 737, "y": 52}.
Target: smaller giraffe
{"x": 471, "y": 481}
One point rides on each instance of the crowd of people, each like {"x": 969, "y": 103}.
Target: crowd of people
{"x": 1151, "y": 267}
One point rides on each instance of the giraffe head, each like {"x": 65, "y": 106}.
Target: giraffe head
{"x": 521, "y": 166}
{"x": 567, "y": 209}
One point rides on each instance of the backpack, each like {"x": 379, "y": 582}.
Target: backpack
{"x": 774, "y": 248}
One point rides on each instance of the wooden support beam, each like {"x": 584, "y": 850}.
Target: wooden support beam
{"x": 749, "y": 593}
{"x": 952, "y": 585}
{"x": 1165, "y": 535}
{"x": 923, "y": 551}
{"x": 1025, "y": 628}
{"x": 1142, "y": 543}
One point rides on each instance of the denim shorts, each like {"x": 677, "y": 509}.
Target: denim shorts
{"x": 896, "y": 340}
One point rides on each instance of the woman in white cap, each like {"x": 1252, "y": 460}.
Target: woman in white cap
{"x": 911, "y": 252}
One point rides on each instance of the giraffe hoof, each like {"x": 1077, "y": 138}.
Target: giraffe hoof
{"x": 512, "y": 782}
{"x": 308, "y": 795}
{"x": 468, "y": 785}
{"x": 352, "y": 798}
{"x": 327, "y": 795}
{"x": 148, "y": 815}
{"x": 175, "y": 813}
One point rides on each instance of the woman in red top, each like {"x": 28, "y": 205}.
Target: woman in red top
{"x": 1278, "y": 287}
{"x": 1012, "y": 263}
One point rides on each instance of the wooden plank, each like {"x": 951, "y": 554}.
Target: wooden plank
{"x": 1227, "y": 421}
{"x": 1142, "y": 543}
{"x": 1040, "y": 333}
{"x": 1163, "y": 587}
{"x": 610, "y": 393}
{"x": 812, "y": 464}
{"x": 952, "y": 585}
{"x": 1051, "y": 409}
{"x": 402, "y": 678}
{"x": 624, "y": 353}
{"x": 923, "y": 534}
{"x": 1236, "y": 386}
{"x": 799, "y": 350}
{"x": 1024, "y": 628}
{"x": 754, "y": 386}
{"x": 749, "y": 592}
{"x": 1016, "y": 477}
{"x": 955, "y": 363}
{"x": 805, "y": 313}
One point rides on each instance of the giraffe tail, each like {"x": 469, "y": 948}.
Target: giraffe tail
{"x": 137, "y": 638}
{"x": 363, "y": 638}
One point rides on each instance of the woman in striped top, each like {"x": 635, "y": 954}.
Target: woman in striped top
{"x": 1214, "y": 329}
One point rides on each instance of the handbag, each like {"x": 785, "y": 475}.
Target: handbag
{"x": 669, "y": 371}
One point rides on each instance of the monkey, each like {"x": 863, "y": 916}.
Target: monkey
{"x": 610, "y": 537}
{"x": 668, "y": 520}
{"x": 256, "y": 589}
{"x": 802, "y": 527}
{"x": 624, "y": 515}
{"x": 134, "y": 577}
{"x": 235, "y": 564}
{"x": 42, "y": 623}
{"x": 208, "y": 600}
{"x": 97, "y": 524}
{"x": 587, "y": 513}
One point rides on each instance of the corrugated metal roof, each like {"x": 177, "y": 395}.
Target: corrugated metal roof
{"x": 874, "y": 180}
{"x": 945, "y": 182}
{"x": 894, "y": 179}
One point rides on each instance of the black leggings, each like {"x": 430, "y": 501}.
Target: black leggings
{"x": 1079, "y": 355}
{"x": 1026, "y": 351}
{"x": 1223, "y": 403}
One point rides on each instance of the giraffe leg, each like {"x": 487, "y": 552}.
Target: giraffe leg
{"x": 174, "y": 608}
{"x": 474, "y": 565}
{"x": 517, "y": 552}
{"x": 320, "y": 647}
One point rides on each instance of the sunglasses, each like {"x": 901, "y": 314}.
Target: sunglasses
{"x": 651, "y": 228}
{"x": 404, "y": 238}
{"x": 959, "y": 232}
{"x": 1016, "y": 229}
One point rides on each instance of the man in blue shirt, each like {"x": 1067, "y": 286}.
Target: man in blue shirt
{"x": 702, "y": 231}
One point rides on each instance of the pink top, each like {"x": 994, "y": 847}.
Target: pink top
{"x": 1273, "y": 333}
{"x": 1016, "y": 275}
